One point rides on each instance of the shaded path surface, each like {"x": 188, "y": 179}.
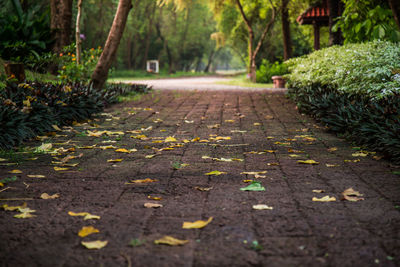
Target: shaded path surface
{"x": 265, "y": 130}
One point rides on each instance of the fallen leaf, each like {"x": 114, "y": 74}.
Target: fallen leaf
{"x": 88, "y": 230}
{"x": 55, "y": 127}
{"x": 186, "y": 121}
{"x": 86, "y": 215}
{"x": 332, "y": 149}
{"x": 122, "y": 150}
{"x": 359, "y": 154}
{"x": 114, "y": 160}
{"x": 257, "y": 176}
{"x": 143, "y": 181}
{"x": 349, "y": 160}
{"x": 1, "y": 159}
{"x": 196, "y": 139}
{"x": 282, "y": 143}
{"x": 238, "y": 131}
{"x": 332, "y": 165}
{"x": 98, "y": 244}
{"x": 197, "y": 224}
{"x": 95, "y": 134}
{"x": 294, "y": 156}
{"x": 318, "y": 191}
{"x": 270, "y": 151}
{"x": 171, "y": 241}
{"x": 231, "y": 121}
{"x": 247, "y": 181}
{"x": 60, "y": 169}
{"x": 254, "y": 186}
{"x": 107, "y": 147}
{"x": 170, "y": 139}
{"x": 270, "y": 137}
{"x": 269, "y": 117}
{"x": 87, "y": 147}
{"x": 254, "y": 173}
{"x": 216, "y": 173}
{"x": 15, "y": 171}
{"x": 203, "y": 188}
{"x": 214, "y": 126}
{"x": 154, "y": 198}
{"x": 310, "y": 161}
{"x": 290, "y": 150}
{"x": 351, "y": 195}
{"x": 47, "y": 196}
{"x": 220, "y": 138}
{"x": 273, "y": 164}
{"x": 13, "y": 208}
{"x": 152, "y": 205}
{"x": 324, "y": 199}
{"x": 140, "y": 137}
{"x": 24, "y": 215}
{"x": 262, "y": 207}
{"x": 45, "y": 147}
{"x": 256, "y": 124}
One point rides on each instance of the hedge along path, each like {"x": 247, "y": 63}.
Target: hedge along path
{"x": 267, "y": 139}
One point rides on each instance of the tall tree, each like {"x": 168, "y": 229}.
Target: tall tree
{"x": 287, "y": 40}
{"x": 252, "y": 48}
{"x": 100, "y": 73}
{"x": 61, "y": 22}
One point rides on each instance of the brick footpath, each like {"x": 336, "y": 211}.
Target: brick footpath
{"x": 265, "y": 130}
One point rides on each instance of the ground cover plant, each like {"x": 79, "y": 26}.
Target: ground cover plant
{"x": 354, "y": 90}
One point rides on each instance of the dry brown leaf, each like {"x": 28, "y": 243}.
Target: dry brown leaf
{"x": 171, "y": 241}
{"x": 197, "y": 224}
{"x": 152, "y": 205}
{"x": 47, "y": 196}
{"x": 88, "y": 230}
{"x": 351, "y": 195}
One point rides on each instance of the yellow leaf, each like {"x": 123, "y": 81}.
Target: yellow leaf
{"x": 257, "y": 176}
{"x": 310, "y": 161}
{"x": 143, "y": 181}
{"x": 122, "y": 150}
{"x": 332, "y": 149}
{"x": 86, "y": 215}
{"x": 170, "y": 139}
{"x": 230, "y": 121}
{"x": 171, "y": 241}
{"x": 197, "y": 224}
{"x": 185, "y": 141}
{"x": 114, "y": 160}
{"x": 87, "y": 147}
{"x": 25, "y": 210}
{"x": 282, "y": 143}
{"x": 221, "y": 138}
{"x": 270, "y": 137}
{"x": 13, "y": 208}
{"x": 147, "y": 109}
{"x": 15, "y": 171}
{"x": 324, "y": 199}
{"x": 203, "y": 188}
{"x": 290, "y": 150}
{"x": 24, "y": 215}
{"x": 270, "y": 151}
{"x": 47, "y": 196}
{"x": 262, "y": 207}
{"x": 150, "y": 156}
{"x": 1, "y": 184}
{"x": 154, "y": 198}
{"x": 71, "y": 213}
{"x": 332, "y": 165}
{"x": 60, "y": 169}
{"x": 294, "y": 156}
{"x": 247, "y": 181}
{"x": 318, "y": 191}
{"x": 1, "y": 159}
{"x": 152, "y": 205}
{"x": 351, "y": 195}
{"x": 186, "y": 121}
{"x": 359, "y": 154}
{"x": 55, "y": 127}
{"x": 94, "y": 244}
{"x": 214, "y": 126}
{"x": 88, "y": 230}
{"x": 195, "y": 139}
{"x": 204, "y": 141}
{"x": 95, "y": 134}
{"x": 157, "y": 142}
{"x": 349, "y": 160}
{"x": 256, "y": 124}
{"x": 44, "y": 147}
{"x": 107, "y": 147}
{"x": 215, "y": 173}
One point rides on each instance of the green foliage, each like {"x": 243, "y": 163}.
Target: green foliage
{"x": 71, "y": 72}
{"x": 8, "y": 179}
{"x": 355, "y": 91}
{"x": 370, "y": 69}
{"x": 267, "y": 70}
{"x": 367, "y": 20}
{"x": 24, "y": 35}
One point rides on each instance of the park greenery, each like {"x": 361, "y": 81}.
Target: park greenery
{"x": 69, "y": 57}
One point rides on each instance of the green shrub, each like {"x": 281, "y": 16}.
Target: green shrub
{"x": 267, "y": 70}
{"x": 71, "y": 72}
{"x": 355, "y": 90}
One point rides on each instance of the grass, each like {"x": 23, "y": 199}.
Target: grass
{"x": 242, "y": 80}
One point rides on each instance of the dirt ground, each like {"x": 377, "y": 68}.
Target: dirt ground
{"x": 266, "y": 133}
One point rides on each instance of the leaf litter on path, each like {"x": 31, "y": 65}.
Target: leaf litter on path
{"x": 88, "y": 230}
{"x": 216, "y": 173}
{"x": 98, "y": 244}
{"x": 351, "y": 195}
{"x": 85, "y": 215}
{"x": 324, "y": 199}
{"x": 197, "y": 224}
{"x": 171, "y": 241}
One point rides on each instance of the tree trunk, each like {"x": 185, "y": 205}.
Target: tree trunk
{"x": 100, "y": 73}
{"x": 335, "y": 38}
{"x": 210, "y": 60}
{"x": 395, "y": 7}
{"x": 78, "y": 33}
{"x": 253, "y": 52}
{"x": 61, "y": 22}
{"x": 287, "y": 40}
